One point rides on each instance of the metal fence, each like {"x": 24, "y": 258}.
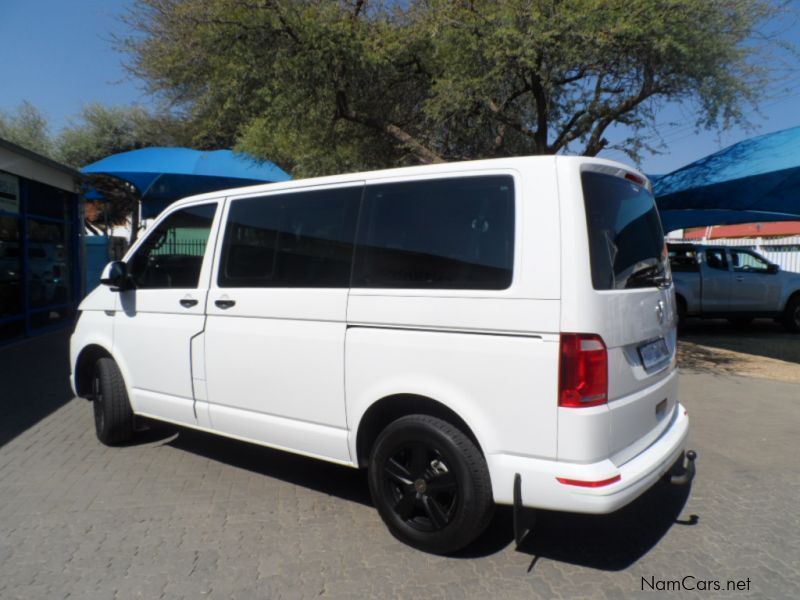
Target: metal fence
{"x": 184, "y": 247}
{"x": 781, "y": 251}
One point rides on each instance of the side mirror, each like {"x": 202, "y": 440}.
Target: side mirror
{"x": 115, "y": 275}
{"x": 772, "y": 269}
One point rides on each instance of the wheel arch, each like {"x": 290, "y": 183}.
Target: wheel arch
{"x": 390, "y": 408}
{"x": 790, "y": 297}
{"x": 84, "y": 366}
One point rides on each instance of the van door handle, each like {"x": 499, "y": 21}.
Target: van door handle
{"x": 225, "y": 303}
{"x": 188, "y": 302}
{"x": 740, "y": 278}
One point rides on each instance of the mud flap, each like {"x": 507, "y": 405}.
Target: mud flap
{"x": 524, "y": 520}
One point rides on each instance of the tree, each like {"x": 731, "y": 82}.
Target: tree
{"x": 96, "y": 132}
{"x": 321, "y": 86}
{"x": 100, "y": 131}
{"x": 27, "y": 127}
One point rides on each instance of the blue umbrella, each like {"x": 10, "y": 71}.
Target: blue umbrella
{"x": 755, "y": 180}
{"x": 163, "y": 175}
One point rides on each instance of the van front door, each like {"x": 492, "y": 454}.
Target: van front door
{"x": 157, "y": 320}
{"x": 275, "y": 331}
{"x": 754, "y": 288}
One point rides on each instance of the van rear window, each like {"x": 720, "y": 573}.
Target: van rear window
{"x": 626, "y": 241}
{"x": 438, "y": 234}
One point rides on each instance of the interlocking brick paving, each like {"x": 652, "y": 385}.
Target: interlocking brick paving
{"x": 182, "y": 514}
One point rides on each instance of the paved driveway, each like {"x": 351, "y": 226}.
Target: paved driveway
{"x": 184, "y": 514}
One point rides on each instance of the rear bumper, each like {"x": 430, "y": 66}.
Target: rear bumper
{"x": 541, "y": 489}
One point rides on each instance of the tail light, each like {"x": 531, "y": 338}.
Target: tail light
{"x": 583, "y": 370}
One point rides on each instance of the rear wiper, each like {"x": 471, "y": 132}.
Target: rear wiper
{"x": 648, "y": 275}
{"x": 662, "y": 281}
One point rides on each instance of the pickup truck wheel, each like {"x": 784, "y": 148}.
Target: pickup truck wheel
{"x": 113, "y": 417}
{"x": 430, "y": 484}
{"x": 791, "y": 314}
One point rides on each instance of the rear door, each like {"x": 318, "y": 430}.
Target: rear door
{"x": 631, "y": 305}
{"x": 717, "y": 279}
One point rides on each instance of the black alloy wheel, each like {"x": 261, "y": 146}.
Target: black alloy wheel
{"x": 424, "y": 490}
{"x": 430, "y": 484}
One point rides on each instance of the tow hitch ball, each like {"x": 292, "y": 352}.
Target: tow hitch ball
{"x": 688, "y": 469}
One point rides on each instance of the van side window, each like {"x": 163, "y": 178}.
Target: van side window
{"x": 715, "y": 259}
{"x": 172, "y": 254}
{"x": 453, "y": 233}
{"x": 302, "y": 239}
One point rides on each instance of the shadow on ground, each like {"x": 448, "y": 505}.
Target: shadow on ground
{"x": 762, "y": 337}
{"x": 605, "y": 542}
{"x": 324, "y": 477}
{"x": 608, "y": 542}
{"x": 34, "y": 382}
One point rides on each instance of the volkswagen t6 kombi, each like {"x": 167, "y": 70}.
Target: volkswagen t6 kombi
{"x": 498, "y": 331}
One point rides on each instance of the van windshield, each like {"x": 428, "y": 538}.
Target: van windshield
{"x": 626, "y": 241}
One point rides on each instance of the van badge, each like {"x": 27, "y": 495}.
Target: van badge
{"x": 660, "y": 312}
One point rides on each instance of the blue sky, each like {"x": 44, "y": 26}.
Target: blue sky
{"x": 58, "y": 55}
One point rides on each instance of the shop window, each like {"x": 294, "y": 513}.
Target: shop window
{"x": 48, "y": 263}
{"x": 10, "y": 268}
{"x": 47, "y": 201}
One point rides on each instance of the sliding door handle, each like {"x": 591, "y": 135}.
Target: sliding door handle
{"x": 225, "y": 303}
{"x": 188, "y": 302}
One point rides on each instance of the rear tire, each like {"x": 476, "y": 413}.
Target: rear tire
{"x": 430, "y": 484}
{"x": 113, "y": 417}
{"x": 791, "y": 314}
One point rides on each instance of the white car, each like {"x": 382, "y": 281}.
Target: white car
{"x": 498, "y": 331}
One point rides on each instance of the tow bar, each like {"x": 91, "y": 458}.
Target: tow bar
{"x": 687, "y": 464}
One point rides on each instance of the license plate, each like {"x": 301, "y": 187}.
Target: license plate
{"x": 653, "y": 353}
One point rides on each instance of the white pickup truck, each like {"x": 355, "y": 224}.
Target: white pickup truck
{"x": 734, "y": 283}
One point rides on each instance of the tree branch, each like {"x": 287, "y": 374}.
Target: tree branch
{"x": 515, "y": 125}
{"x": 596, "y": 141}
{"x": 568, "y": 134}
{"x": 422, "y": 152}
{"x": 540, "y": 136}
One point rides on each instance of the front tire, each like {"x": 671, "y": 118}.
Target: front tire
{"x": 113, "y": 417}
{"x": 430, "y": 484}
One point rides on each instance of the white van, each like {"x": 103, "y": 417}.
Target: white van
{"x": 498, "y": 331}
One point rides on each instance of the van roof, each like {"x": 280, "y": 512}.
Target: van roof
{"x": 516, "y": 162}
